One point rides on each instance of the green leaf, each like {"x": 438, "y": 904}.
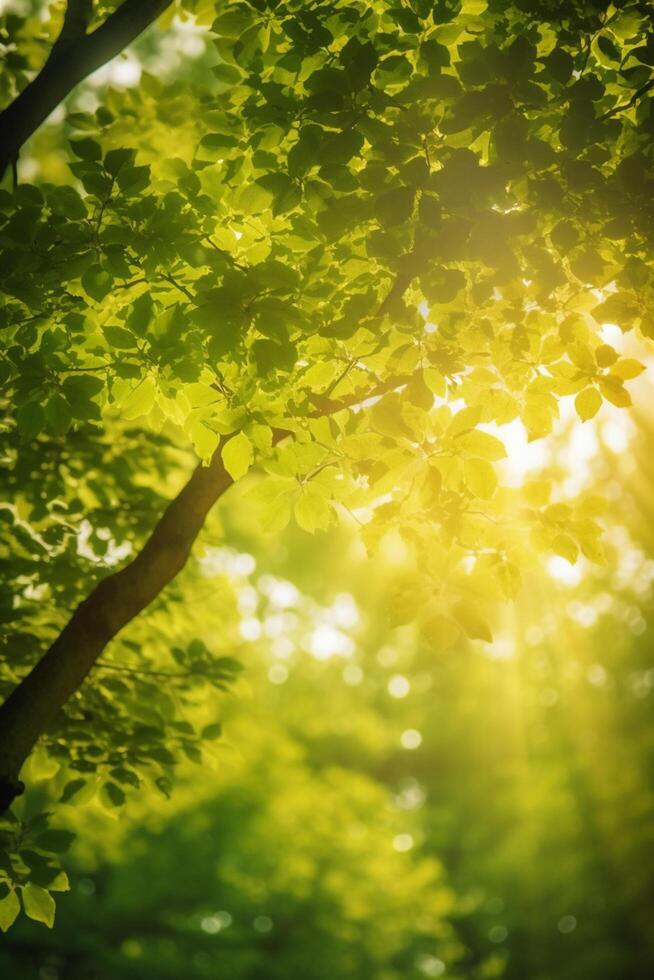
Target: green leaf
{"x": 115, "y": 160}
{"x": 132, "y": 180}
{"x": 473, "y": 624}
{"x": 219, "y": 141}
{"x": 56, "y": 841}
{"x": 227, "y": 74}
{"x": 39, "y": 904}
{"x": 436, "y": 55}
{"x": 608, "y": 48}
{"x": 30, "y": 419}
{"x": 58, "y": 414}
{"x": 140, "y": 400}
{"x": 233, "y": 23}
{"x": 618, "y": 308}
{"x": 286, "y": 193}
{"x": 406, "y": 19}
{"x": 96, "y": 282}
{"x": 395, "y": 206}
{"x": 113, "y": 794}
{"x": 71, "y": 789}
{"x": 272, "y": 501}
{"x": 212, "y": 731}
{"x": 120, "y": 338}
{"x": 9, "y": 910}
{"x": 125, "y": 776}
{"x": 140, "y": 315}
{"x": 440, "y": 630}
{"x": 270, "y": 356}
{"x": 205, "y": 440}
{"x": 238, "y": 455}
{"x": 84, "y": 386}
{"x": 86, "y": 149}
{"x": 560, "y": 65}
{"x": 312, "y": 510}
{"x": 59, "y": 883}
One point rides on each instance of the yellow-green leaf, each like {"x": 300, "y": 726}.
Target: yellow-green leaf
{"x": 588, "y": 535}
{"x": 480, "y": 477}
{"x": 238, "y": 455}
{"x": 312, "y": 510}
{"x": 464, "y": 420}
{"x": 627, "y": 368}
{"x": 261, "y": 437}
{"x": 483, "y": 444}
{"x": 613, "y": 389}
{"x": 140, "y": 400}
{"x": 39, "y": 904}
{"x": 564, "y": 545}
{"x": 272, "y": 499}
{"x": 386, "y": 417}
{"x": 435, "y": 382}
{"x": 9, "y": 910}
{"x": 509, "y": 578}
{"x": 440, "y": 630}
{"x": 60, "y": 883}
{"x": 588, "y": 403}
{"x": 205, "y": 440}
{"x": 473, "y": 624}
{"x": 605, "y": 355}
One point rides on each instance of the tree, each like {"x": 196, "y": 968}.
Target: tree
{"x": 370, "y": 237}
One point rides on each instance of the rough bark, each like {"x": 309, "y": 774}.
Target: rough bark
{"x": 114, "y": 602}
{"x": 74, "y": 56}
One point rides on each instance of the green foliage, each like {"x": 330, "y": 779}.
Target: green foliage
{"x": 29, "y": 868}
{"x": 367, "y": 239}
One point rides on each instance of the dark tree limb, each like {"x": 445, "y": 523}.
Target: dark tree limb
{"x": 76, "y": 21}
{"x": 74, "y": 56}
{"x": 638, "y": 94}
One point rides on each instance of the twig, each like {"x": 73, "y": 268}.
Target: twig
{"x": 632, "y": 101}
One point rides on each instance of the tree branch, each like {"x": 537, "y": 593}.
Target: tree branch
{"x": 329, "y": 406}
{"x": 124, "y": 669}
{"x": 76, "y": 21}
{"x": 638, "y": 94}
{"x": 74, "y": 56}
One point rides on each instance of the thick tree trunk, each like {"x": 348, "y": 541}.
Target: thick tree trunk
{"x": 114, "y": 602}
{"x": 74, "y": 56}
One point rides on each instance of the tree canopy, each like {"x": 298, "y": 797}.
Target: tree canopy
{"x": 329, "y": 255}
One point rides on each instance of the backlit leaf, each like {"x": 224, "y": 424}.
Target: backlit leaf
{"x": 39, "y": 904}
{"x": 238, "y": 455}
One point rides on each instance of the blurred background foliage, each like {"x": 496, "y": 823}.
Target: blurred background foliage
{"x": 376, "y": 809}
